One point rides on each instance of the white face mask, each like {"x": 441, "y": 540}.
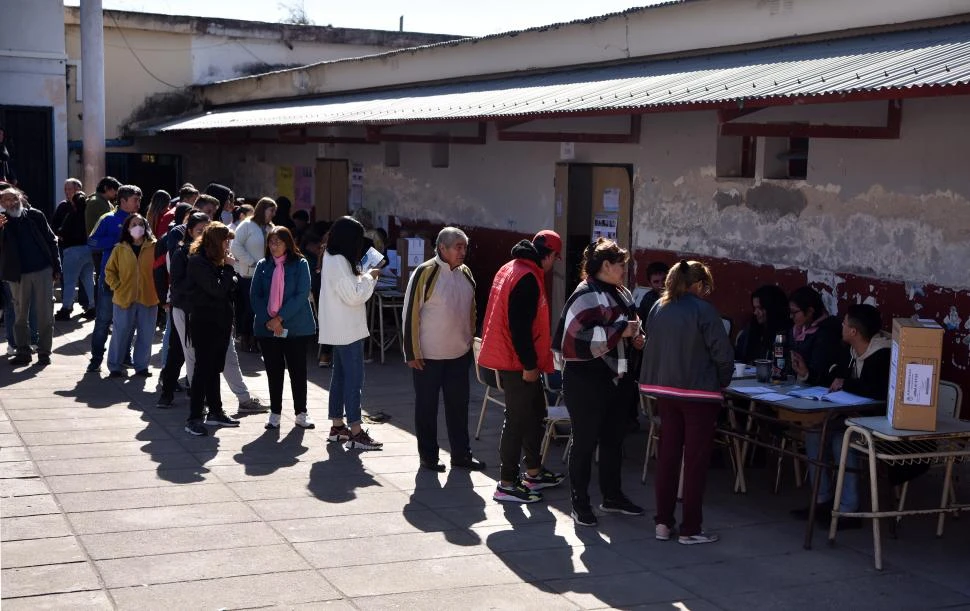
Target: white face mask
{"x": 136, "y": 231}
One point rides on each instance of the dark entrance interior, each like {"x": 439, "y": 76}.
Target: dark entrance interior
{"x": 148, "y": 171}
{"x": 30, "y": 142}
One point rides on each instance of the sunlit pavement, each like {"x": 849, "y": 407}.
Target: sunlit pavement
{"x": 107, "y": 503}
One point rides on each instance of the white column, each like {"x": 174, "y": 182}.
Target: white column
{"x": 92, "y": 83}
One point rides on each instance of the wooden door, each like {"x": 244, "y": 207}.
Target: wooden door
{"x": 331, "y": 192}
{"x": 560, "y": 215}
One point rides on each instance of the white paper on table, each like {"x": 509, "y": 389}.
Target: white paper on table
{"x": 813, "y": 392}
{"x": 752, "y": 390}
{"x": 919, "y": 384}
{"x": 772, "y": 396}
{"x": 845, "y": 398}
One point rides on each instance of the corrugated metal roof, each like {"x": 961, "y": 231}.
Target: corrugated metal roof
{"x": 926, "y": 58}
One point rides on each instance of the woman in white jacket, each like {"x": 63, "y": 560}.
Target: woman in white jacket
{"x": 248, "y": 248}
{"x": 343, "y": 324}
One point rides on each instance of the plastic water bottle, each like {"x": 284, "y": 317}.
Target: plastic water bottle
{"x": 778, "y": 365}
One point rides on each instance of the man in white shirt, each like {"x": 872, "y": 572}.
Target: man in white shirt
{"x": 439, "y": 322}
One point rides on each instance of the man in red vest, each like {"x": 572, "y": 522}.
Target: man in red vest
{"x": 517, "y": 343}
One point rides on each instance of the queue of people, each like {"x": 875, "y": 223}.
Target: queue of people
{"x": 220, "y": 269}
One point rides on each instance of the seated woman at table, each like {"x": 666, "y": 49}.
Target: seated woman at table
{"x": 815, "y": 338}
{"x": 687, "y": 360}
{"x": 596, "y": 335}
{"x": 769, "y": 317}
{"x": 862, "y": 370}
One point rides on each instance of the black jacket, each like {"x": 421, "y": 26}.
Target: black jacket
{"x": 688, "y": 354}
{"x": 35, "y": 221}
{"x": 72, "y": 230}
{"x": 211, "y": 289}
{"x": 179, "y": 295}
{"x": 866, "y": 375}
{"x": 820, "y": 349}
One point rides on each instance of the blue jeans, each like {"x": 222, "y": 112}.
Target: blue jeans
{"x": 140, "y": 320}
{"x": 166, "y": 336}
{"x": 826, "y": 487}
{"x": 78, "y": 270}
{"x": 102, "y": 322}
{"x": 347, "y": 382}
{"x": 9, "y": 316}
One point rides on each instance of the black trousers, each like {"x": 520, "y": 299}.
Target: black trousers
{"x": 599, "y": 411}
{"x": 285, "y": 354}
{"x": 525, "y": 409}
{"x": 449, "y": 378}
{"x": 209, "y": 337}
{"x": 174, "y": 360}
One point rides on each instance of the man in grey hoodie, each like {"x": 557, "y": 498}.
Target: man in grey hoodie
{"x": 863, "y": 369}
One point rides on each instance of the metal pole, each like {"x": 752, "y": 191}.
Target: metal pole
{"x": 92, "y": 85}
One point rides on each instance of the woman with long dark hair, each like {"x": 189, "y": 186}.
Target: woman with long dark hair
{"x": 211, "y": 287}
{"x": 128, "y": 274}
{"x": 159, "y": 205}
{"x": 769, "y": 318}
{"x": 687, "y": 360}
{"x": 816, "y": 338}
{"x": 284, "y": 322}
{"x": 343, "y": 324}
{"x": 597, "y": 333}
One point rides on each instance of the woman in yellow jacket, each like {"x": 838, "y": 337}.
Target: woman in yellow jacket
{"x": 129, "y": 275}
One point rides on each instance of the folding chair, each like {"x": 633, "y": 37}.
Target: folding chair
{"x": 490, "y": 380}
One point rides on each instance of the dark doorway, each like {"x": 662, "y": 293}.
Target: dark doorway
{"x": 148, "y": 171}
{"x": 30, "y": 142}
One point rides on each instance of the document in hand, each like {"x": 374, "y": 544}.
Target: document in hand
{"x": 820, "y": 393}
{"x": 372, "y": 258}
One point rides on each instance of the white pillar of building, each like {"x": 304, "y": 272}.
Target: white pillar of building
{"x": 92, "y": 84}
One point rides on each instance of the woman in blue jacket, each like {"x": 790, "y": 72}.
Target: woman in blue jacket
{"x": 284, "y": 324}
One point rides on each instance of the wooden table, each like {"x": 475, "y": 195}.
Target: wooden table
{"x": 743, "y": 437}
{"x": 875, "y": 438}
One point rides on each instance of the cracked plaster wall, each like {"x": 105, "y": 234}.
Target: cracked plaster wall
{"x": 893, "y": 209}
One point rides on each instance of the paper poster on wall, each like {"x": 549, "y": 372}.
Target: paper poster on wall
{"x": 558, "y": 206}
{"x": 284, "y": 181}
{"x": 567, "y": 150}
{"x": 604, "y": 226}
{"x": 303, "y": 187}
{"x": 415, "y": 252}
{"x": 611, "y": 199}
{"x": 356, "y": 186}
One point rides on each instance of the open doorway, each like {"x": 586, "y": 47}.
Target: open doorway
{"x": 591, "y": 200}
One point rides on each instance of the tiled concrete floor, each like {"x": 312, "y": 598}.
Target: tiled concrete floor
{"x": 106, "y": 503}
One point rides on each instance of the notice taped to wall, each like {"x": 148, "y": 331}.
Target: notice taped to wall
{"x": 604, "y": 226}
{"x": 919, "y": 385}
{"x": 611, "y": 199}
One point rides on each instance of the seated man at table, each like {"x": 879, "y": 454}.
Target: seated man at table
{"x": 863, "y": 369}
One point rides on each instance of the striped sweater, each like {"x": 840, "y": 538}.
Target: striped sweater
{"x": 592, "y": 325}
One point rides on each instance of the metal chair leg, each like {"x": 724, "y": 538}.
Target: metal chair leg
{"x": 781, "y": 459}
{"x": 481, "y": 416}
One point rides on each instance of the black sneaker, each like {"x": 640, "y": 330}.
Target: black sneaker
{"x": 433, "y": 465}
{"x": 220, "y": 418}
{"x": 194, "y": 427}
{"x": 469, "y": 462}
{"x": 544, "y": 479}
{"x": 584, "y": 516}
{"x": 43, "y": 359}
{"x": 516, "y": 493}
{"x": 165, "y": 402}
{"x": 90, "y": 314}
{"x": 621, "y": 505}
{"x": 20, "y": 359}
{"x": 62, "y": 315}
{"x": 94, "y": 367}
{"x": 116, "y": 374}
{"x": 143, "y": 373}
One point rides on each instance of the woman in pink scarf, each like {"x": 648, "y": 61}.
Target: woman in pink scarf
{"x": 284, "y": 322}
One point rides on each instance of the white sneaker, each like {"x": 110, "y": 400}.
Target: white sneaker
{"x": 662, "y": 532}
{"x": 11, "y": 350}
{"x": 698, "y": 539}
{"x": 33, "y": 348}
{"x": 273, "y": 422}
{"x": 303, "y": 421}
